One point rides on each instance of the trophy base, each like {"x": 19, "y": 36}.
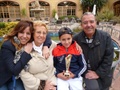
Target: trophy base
{"x": 66, "y": 74}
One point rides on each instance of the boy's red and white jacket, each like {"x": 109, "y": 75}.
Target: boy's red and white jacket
{"x": 78, "y": 64}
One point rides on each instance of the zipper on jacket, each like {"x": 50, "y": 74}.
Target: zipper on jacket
{"x": 89, "y": 66}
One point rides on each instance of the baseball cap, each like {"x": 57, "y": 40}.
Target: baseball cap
{"x": 64, "y": 30}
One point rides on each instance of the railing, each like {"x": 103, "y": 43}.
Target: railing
{"x": 115, "y": 33}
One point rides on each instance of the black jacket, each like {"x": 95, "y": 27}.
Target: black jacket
{"x": 7, "y": 67}
{"x": 99, "y": 53}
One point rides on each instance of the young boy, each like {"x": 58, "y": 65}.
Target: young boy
{"x": 69, "y": 63}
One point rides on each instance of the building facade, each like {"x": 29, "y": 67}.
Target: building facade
{"x": 17, "y": 9}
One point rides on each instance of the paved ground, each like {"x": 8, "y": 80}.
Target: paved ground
{"x": 116, "y": 81}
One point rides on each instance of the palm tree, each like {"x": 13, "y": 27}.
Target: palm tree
{"x": 87, "y": 5}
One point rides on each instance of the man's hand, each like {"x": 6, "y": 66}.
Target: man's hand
{"x": 91, "y": 75}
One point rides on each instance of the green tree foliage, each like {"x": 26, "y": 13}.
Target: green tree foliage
{"x": 2, "y": 25}
{"x": 107, "y": 16}
{"x": 53, "y": 13}
{"x": 7, "y": 28}
{"x": 87, "y": 5}
{"x": 23, "y": 12}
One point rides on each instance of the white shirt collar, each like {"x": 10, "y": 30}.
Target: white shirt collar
{"x": 38, "y": 48}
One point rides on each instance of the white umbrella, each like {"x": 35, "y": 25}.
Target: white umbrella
{"x": 94, "y": 10}
{"x": 56, "y": 16}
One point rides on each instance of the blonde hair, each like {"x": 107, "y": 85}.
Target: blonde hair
{"x": 38, "y": 23}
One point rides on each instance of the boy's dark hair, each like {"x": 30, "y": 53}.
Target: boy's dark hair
{"x": 64, "y": 30}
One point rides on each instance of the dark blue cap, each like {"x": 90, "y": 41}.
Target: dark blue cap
{"x": 64, "y": 30}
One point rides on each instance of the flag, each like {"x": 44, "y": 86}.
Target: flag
{"x": 56, "y": 16}
{"x": 94, "y": 10}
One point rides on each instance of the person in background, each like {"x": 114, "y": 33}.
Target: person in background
{"x": 69, "y": 63}
{"x": 98, "y": 51}
{"x": 39, "y": 75}
{"x": 15, "y": 54}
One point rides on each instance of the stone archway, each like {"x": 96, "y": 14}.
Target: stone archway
{"x": 116, "y": 6}
{"x": 9, "y": 10}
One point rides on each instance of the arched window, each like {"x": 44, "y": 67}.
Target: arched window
{"x": 9, "y": 9}
{"x": 66, "y": 8}
{"x": 117, "y": 8}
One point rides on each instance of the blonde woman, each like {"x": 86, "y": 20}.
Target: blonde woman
{"x": 40, "y": 70}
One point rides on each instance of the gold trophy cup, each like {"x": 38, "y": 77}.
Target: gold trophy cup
{"x": 67, "y": 61}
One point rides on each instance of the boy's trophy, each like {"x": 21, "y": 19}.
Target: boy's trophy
{"x": 67, "y": 61}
